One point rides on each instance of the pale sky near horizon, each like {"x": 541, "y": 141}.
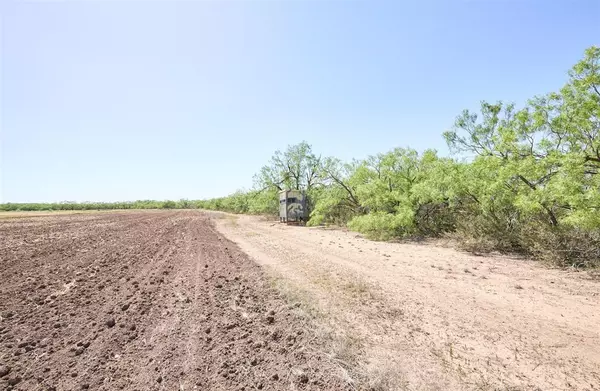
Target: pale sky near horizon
{"x": 125, "y": 100}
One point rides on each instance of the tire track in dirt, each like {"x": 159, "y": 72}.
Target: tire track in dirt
{"x": 148, "y": 300}
{"x": 436, "y": 318}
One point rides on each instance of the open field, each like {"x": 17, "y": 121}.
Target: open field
{"x": 431, "y": 318}
{"x": 15, "y": 214}
{"x": 160, "y": 300}
{"x": 145, "y": 301}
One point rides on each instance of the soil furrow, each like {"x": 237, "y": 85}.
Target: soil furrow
{"x": 145, "y": 301}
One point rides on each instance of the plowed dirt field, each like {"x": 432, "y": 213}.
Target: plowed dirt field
{"x": 145, "y": 301}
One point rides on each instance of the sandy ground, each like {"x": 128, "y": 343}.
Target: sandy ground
{"x": 145, "y": 301}
{"x": 433, "y": 318}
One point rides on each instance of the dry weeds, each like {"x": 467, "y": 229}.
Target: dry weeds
{"x": 423, "y": 317}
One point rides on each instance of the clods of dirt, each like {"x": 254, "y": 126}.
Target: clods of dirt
{"x": 14, "y": 380}
{"x": 4, "y": 370}
{"x": 110, "y": 317}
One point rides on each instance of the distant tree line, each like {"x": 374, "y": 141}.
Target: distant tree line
{"x": 523, "y": 180}
{"x": 68, "y": 205}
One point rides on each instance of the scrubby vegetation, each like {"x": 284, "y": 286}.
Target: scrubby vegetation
{"x": 522, "y": 180}
{"x": 71, "y": 205}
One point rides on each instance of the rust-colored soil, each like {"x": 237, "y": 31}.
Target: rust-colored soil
{"x": 144, "y": 301}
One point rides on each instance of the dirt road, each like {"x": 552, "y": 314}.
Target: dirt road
{"x": 145, "y": 301}
{"x": 431, "y": 318}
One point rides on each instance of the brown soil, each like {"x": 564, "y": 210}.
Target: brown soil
{"x": 433, "y": 318}
{"x": 144, "y": 301}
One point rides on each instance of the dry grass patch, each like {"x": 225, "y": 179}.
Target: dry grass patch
{"x": 344, "y": 347}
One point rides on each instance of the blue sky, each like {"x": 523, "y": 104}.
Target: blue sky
{"x": 124, "y": 100}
